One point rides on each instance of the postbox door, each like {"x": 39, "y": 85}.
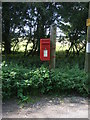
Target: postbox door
{"x": 45, "y": 49}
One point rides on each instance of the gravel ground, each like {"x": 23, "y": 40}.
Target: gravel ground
{"x": 47, "y": 107}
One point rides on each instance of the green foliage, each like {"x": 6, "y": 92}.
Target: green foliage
{"x": 72, "y": 79}
{"x": 21, "y": 81}
{"x": 37, "y": 18}
{"x": 71, "y": 15}
{"x": 33, "y": 16}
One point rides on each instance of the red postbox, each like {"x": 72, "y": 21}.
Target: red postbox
{"x": 45, "y": 49}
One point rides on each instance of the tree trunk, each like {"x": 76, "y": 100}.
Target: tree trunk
{"x": 6, "y": 35}
{"x": 7, "y": 47}
{"x": 7, "y": 43}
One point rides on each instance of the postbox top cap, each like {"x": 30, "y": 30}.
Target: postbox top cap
{"x": 45, "y": 39}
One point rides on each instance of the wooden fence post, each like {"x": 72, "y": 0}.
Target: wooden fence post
{"x": 0, "y": 60}
{"x": 87, "y": 59}
{"x": 52, "y": 45}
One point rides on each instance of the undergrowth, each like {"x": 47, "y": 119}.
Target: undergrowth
{"x": 27, "y": 76}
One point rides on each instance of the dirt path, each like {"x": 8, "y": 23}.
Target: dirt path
{"x": 48, "y": 107}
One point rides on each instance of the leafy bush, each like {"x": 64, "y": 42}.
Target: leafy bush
{"x": 70, "y": 80}
{"x": 20, "y": 81}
